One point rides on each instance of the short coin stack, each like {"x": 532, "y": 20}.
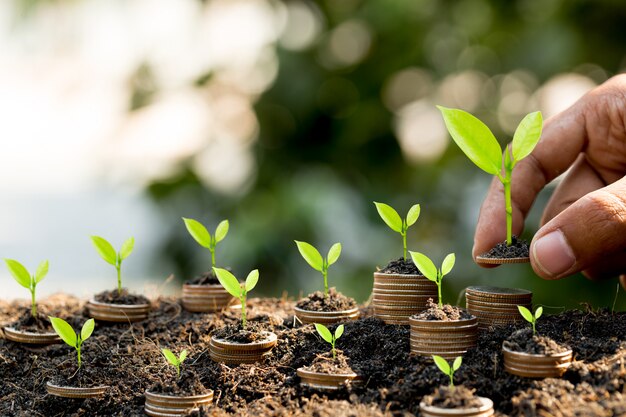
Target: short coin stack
{"x": 396, "y": 297}
{"x": 495, "y": 306}
{"x": 232, "y": 353}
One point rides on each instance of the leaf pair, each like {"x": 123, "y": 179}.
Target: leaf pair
{"x": 313, "y": 257}
{"x": 430, "y": 271}
{"x": 328, "y": 336}
{"x": 108, "y": 253}
{"x": 26, "y": 280}
{"x": 233, "y": 286}
{"x": 173, "y": 360}
{"x": 529, "y": 316}
{"x": 391, "y": 217}
{"x": 446, "y": 368}
{"x": 71, "y": 338}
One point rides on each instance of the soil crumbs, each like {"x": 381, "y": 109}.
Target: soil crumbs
{"x": 125, "y": 297}
{"x": 401, "y": 266}
{"x": 523, "y": 340}
{"x": 207, "y": 278}
{"x": 253, "y": 332}
{"x": 127, "y": 357}
{"x": 453, "y": 397}
{"x": 443, "y": 313}
{"x": 326, "y": 364}
{"x": 334, "y": 301}
{"x": 27, "y": 323}
{"x": 518, "y": 249}
{"x": 189, "y": 383}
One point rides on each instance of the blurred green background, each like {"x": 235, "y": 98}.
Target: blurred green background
{"x": 314, "y": 110}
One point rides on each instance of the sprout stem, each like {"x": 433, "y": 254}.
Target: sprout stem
{"x": 325, "y": 274}
{"x": 243, "y": 311}
{"x": 33, "y": 309}
{"x": 119, "y": 279}
{"x": 509, "y": 210}
{"x": 439, "y": 293}
{"x": 78, "y": 352}
{"x": 404, "y": 244}
{"x": 213, "y": 258}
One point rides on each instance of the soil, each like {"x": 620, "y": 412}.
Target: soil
{"x": 401, "y": 266}
{"x": 128, "y": 358}
{"x": 208, "y": 278}
{"x": 518, "y": 249}
{"x": 318, "y": 301}
{"x": 27, "y": 323}
{"x": 113, "y": 297}
{"x": 443, "y": 313}
{"x": 236, "y": 333}
{"x": 189, "y": 383}
{"x": 326, "y": 364}
{"x": 453, "y": 397}
{"x": 523, "y": 340}
{"x": 86, "y": 377}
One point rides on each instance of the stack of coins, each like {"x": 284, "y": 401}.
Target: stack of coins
{"x": 447, "y": 339}
{"x": 323, "y": 381}
{"x": 159, "y": 405}
{"x": 205, "y": 298}
{"x": 535, "y": 365}
{"x": 326, "y": 317}
{"x": 495, "y": 306}
{"x": 399, "y": 296}
{"x": 232, "y": 353}
{"x": 31, "y": 338}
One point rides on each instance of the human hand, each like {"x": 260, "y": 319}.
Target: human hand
{"x": 583, "y": 227}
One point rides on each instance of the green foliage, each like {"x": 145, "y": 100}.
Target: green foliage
{"x": 108, "y": 253}
{"x": 26, "y": 280}
{"x": 530, "y": 317}
{"x": 201, "y": 235}
{"x": 430, "y": 271}
{"x": 328, "y": 336}
{"x": 446, "y": 368}
{"x": 482, "y": 148}
{"x": 391, "y": 217}
{"x": 71, "y": 338}
{"x": 313, "y": 257}
{"x": 236, "y": 289}
{"x": 173, "y": 360}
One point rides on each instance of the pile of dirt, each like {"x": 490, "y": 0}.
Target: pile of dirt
{"x": 401, "y": 266}
{"x": 334, "y": 301}
{"x": 517, "y": 249}
{"x": 524, "y": 340}
{"x": 444, "y": 313}
{"x": 125, "y": 297}
{"x": 207, "y": 278}
{"x": 327, "y": 364}
{"x": 453, "y": 397}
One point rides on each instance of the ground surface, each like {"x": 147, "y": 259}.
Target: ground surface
{"x": 127, "y": 357}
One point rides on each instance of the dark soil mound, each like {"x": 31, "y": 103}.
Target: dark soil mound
{"x": 325, "y": 363}
{"x": 453, "y": 397}
{"x": 334, "y": 301}
{"x": 253, "y": 332}
{"x": 113, "y": 297}
{"x": 443, "y": 313}
{"x": 524, "y": 341}
{"x": 517, "y": 249}
{"x": 208, "y": 278}
{"x": 27, "y": 323}
{"x": 85, "y": 377}
{"x": 401, "y": 266}
{"x": 188, "y": 384}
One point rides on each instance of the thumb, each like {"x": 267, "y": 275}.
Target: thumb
{"x": 585, "y": 234}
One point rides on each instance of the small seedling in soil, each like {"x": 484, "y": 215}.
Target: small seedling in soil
{"x": 237, "y": 289}
{"x": 314, "y": 258}
{"x": 431, "y": 272}
{"x": 26, "y": 280}
{"x": 176, "y": 362}
{"x": 391, "y": 217}
{"x": 204, "y": 238}
{"x": 482, "y": 148}
{"x": 108, "y": 253}
{"x": 445, "y": 367}
{"x": 328, "y": 336}
{"x": 530, "y": 317}
{"x": 65, "y": 332}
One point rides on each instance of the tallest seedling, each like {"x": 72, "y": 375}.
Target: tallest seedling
{"x": 108, "y": 253}
{"x": 481, "y": 147}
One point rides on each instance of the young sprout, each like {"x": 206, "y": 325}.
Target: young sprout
{"x": 236, "y": 289}
{"x": 313, "y": 258}
{"x": 445, "y": 367}
{"x": 482, "y": 148}
{"x": 106, "y": 251}
{"x": 26, "y": 280}
{"x": 530, "y": 317}
{"x": 431, "y": 272}
{"x": 175, "y": 361}
{"x": 328, "y": 336}
{"x": 397, "y": 224}
{"x": 65, "y": 332}
{"x": 204, "y": 238}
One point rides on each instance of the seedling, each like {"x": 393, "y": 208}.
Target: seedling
{"x": 396, "y": 223}
{"x": 482, "y": 148}
{"x": 65, "y": 332}
{"x": 314, "y": 258}
{"x": 445, "y": 367}
{"x": 328, "y": 336}
{"x": 106, "y": 251}
{"x": 204, "y": 238}
{"x": 431, "y": 272}
{"x": 175, "y": 361}
{"x": 26, "y": 280}
{"x": 530, "y": 317}
{"x": 237, "y": 289}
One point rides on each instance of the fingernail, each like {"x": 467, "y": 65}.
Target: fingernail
{"x": 553, "y": 254}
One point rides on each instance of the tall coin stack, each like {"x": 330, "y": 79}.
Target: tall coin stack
{"x": 399, "y": 296}
{"x": 494, "y": 306}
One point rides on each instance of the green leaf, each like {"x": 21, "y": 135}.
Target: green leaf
{"x": 311, "y": 255}
{"x": 221, "y": 231}
{"x": 252, "y": 279}
{"x": 527, "y": 135}
{"x": 413, "y": 215}
{"x": 324, "y": 332}
{"x": 448, "y": 264}
{"x": 183, "y": 356}
{"x": 171, "y": 358}
{"x": 19, "y": 272}
{"x": 339, "y": 331}
{"x": 425, "y": 265}
{"x": 538, "y": 312}
{"x": 528, "y": 316}
{"x": 457, "y": 363}
{"x": 42, "y": 271}
{"x": 474, "y": 138}
{"x": 127, "y": 248}
{"x": 389, "y": 216}
{"x": 442, "y": 364}
{"x": 87, "y": 329}
{"x": 229, "y": 282}
{"x": 198, "y": 232}
{"x": 105, "y": 249}
{"x": 333, "y": 253}
{"x": 64, "y": 330}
